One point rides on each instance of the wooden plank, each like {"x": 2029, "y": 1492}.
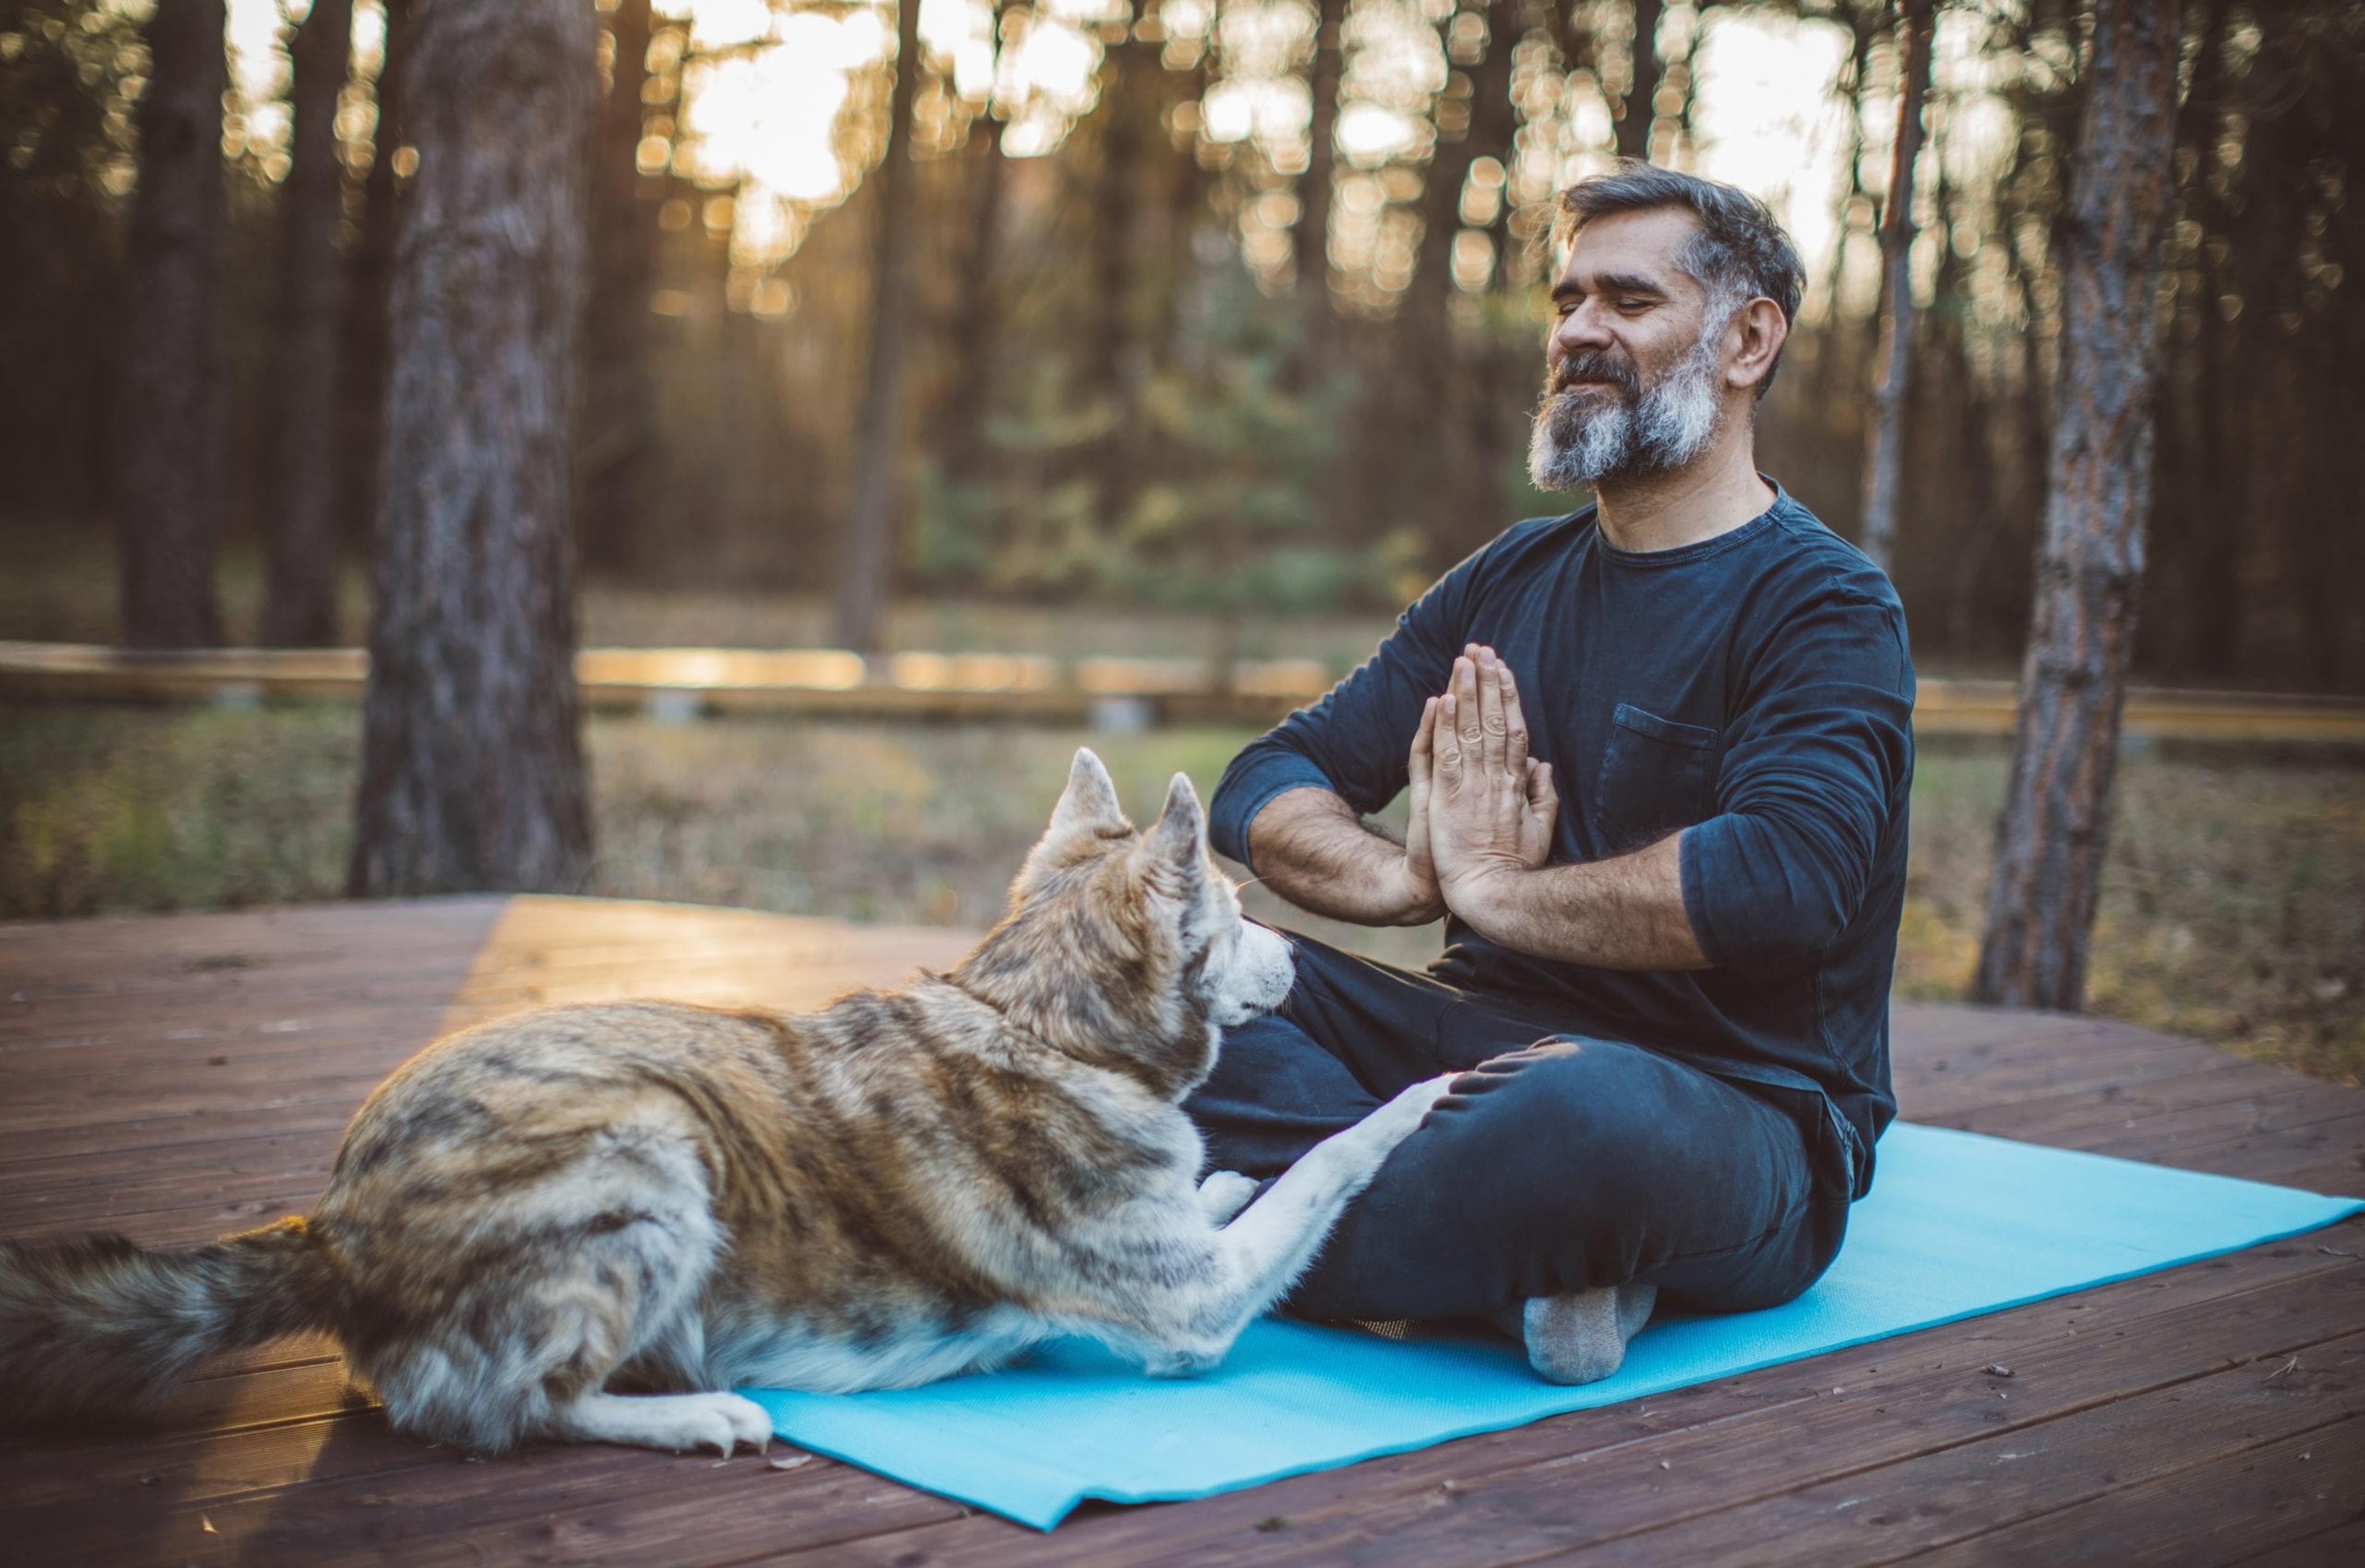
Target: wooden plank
{"x": 580, "y": 1503}
{"x": 2272, "y": 1156}
{"x": 2091, "y": 1065}
{"x": 977, "y": 685}
{"x": 2280, "y": 1494}
{"x": 2343, "y": 1544}
{"x": 1959, "y": 1493}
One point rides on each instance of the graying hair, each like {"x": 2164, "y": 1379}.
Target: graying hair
{"x": 1739, "y": 252}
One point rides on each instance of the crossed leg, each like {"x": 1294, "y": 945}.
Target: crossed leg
{"x": 1563, "y": 1166}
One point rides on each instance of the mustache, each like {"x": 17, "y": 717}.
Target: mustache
{"x": 1598, "y": 365}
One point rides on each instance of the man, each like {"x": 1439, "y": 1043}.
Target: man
{"x": 1659, "y": 753}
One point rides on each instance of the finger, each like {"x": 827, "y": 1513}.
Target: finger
{"x": 1543, "y": 798}
{"x": 1491, "y": 727}
{"x": 1446, "y": 735}
{"x": 1515, "y": 726}
{"x": 1467, "y": 719}
{"x": 1424, "y": 743}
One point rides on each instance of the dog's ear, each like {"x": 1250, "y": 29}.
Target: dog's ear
{"x": 1176, "y": 844}
{"x": 1089, "y": 804}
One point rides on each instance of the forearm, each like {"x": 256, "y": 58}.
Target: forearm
{"x": 1309, "y": 846}
{"x": 1622, "y": 914}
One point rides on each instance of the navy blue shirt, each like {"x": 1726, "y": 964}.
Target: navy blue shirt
{"x": 1754, "y": 689}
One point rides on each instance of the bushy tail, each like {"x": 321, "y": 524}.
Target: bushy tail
{"x": 93, "y": 1328}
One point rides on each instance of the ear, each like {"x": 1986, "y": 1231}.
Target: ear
{"x": 1090, "y": 800}
{"x": 1178, "y": 840}
{"x": 1760, "y": 331}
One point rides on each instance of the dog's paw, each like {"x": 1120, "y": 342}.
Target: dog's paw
{"x": 1182, "y": 1362}
{"x": 681, "y": 1423}
{"x": 1401, "y": 1116}
{"x": 1224, "y": 1194}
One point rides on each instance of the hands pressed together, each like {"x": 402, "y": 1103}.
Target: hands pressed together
{"x": 1482, "y": 809}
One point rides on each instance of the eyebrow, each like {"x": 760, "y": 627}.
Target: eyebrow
{"x": 1611, "y": 282}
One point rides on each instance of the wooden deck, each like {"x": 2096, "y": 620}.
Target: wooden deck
{"x": 173, "y": 1078}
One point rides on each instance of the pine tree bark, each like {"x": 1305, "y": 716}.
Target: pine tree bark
{"x": 171, "y": 414}
{"x": 2055, "y": 828}
{"x": 472, "y": 768}
{"x": 300, "y": 609}
{"x": 1113, "y": 353}
{"x": 1633, "y": 134}
{"x": 869, "y": 576}
{"x": 1884, "y": 462}
{"x": 367, "y": 354}
{"x": 970, "y": 335}
{"x": 1310, "y": 241}
{"x": 617, "y": 411}
{"x": 1310, "y": 245}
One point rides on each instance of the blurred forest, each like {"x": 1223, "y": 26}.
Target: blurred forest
{"x": 1229, "y": 305}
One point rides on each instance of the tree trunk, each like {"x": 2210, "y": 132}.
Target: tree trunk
{"x": 472, "y": 766}
{"x": 366, "y": 355}
{"x": 1836, "y": 344}
{"x": 1884, "y": 464}
{"x": 2212, "y": 557}
{"x": 871, "y": 557}
{"x": 1131, "y": 108}
{"x": 2055, "y": 827}
{"x": 171, "y": 414}
{"x": 1312, "y": 240}
{"x": 1310, "y": 245}
{"x": 970, "y": 335}
{"x": 617, "y": 413}
{"x": 1641, "y": 94}
{"x": 301, "y": 606}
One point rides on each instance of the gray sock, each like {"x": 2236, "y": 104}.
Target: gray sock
{"x": 1580, "y": 1336}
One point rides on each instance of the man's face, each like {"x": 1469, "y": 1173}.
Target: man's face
{"x": 1632, "y": 377}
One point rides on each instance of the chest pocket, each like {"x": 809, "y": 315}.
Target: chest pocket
{"x": 1656, "y": 775}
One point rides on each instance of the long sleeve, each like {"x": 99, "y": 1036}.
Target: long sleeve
{"x": 1817, "y": 763}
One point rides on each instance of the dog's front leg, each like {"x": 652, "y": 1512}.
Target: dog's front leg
{"x": 1276, "y": 1236}
{"x": 1260, "y": 1253}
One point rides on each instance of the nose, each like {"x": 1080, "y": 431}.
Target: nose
{"x": 1581, "y": 330}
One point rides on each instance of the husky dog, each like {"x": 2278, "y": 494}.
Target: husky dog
{"x": 589, "y": 1223}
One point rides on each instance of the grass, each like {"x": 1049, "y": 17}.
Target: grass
{"x": 2232, "y": 909}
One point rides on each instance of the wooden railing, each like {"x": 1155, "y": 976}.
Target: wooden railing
{"x": 684, "y": 682}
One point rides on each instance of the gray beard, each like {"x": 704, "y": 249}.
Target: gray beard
{"x": 1582, "y": 438}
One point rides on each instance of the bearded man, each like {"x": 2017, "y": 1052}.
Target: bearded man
{"x": 1659, "y": 753}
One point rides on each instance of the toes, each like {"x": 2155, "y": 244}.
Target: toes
{"x": 713, "y": 1431}
{"x": 1222, "y": 1194}
{"x": 750, "y": 1422}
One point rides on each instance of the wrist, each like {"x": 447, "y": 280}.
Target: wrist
{"x": 1415, "y": 900}
{"x": 1480, "y": 891}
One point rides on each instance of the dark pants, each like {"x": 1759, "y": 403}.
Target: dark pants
{"x": 1562, "y": 1163}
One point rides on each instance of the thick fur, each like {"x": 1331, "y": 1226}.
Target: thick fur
{"x": 589, "y": 1222}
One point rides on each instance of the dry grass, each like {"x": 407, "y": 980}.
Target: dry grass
{"x": 2234, "y": 909}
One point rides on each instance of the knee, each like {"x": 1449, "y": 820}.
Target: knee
{"x": 1584, "y": 1129}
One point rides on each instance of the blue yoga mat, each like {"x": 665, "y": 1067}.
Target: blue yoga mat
{"x": 1957, "y": 1225}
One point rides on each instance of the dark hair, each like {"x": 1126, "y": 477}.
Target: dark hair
{"x": 1740, "y": 251}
